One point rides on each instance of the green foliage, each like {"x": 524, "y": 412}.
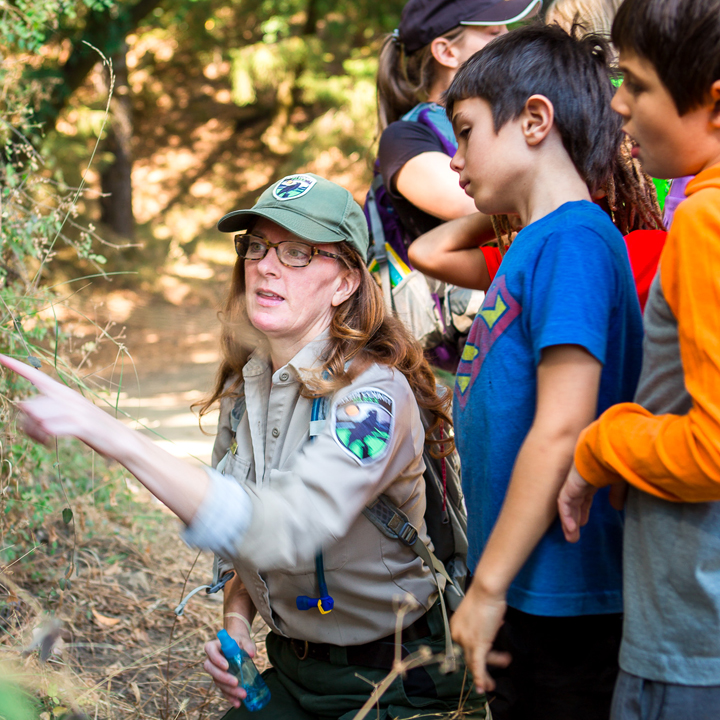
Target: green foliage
{"x": 15, "y": 704}
{"x": 27, "y": 24}
{"x": 38, "y": 216}
{"x": 319, "y": 58}
{"x": 262, "y": 67}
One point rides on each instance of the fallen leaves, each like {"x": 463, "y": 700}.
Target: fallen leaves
{"x": 104, "y": 620}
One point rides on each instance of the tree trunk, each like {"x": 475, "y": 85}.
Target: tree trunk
{"x": 116, "y": 180}
{"x": 106, "y": 29}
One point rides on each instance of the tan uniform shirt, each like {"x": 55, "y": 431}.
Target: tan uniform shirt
{"x": 310, "y": 494}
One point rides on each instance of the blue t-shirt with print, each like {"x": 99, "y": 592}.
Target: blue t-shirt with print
{"x": 565, "y": 280}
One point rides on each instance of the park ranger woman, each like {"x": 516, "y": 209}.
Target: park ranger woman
{"x": 304, "y": 326}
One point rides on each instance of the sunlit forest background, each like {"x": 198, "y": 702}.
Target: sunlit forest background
{"x": 128, "y": 128}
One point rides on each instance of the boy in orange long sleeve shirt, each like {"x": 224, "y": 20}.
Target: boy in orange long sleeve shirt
{"x": 666, "y": 445}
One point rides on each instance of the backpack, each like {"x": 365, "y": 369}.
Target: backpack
{"x": 437, "y": 314}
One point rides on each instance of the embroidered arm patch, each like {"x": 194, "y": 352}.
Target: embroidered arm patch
{"x": 363, "y": 424}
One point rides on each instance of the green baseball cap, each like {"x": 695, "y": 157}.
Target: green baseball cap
{"x": 310, "y": 207}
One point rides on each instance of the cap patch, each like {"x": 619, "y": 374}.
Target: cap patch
{"x": 363, "y": 424}
{"x": 293, "y": 187}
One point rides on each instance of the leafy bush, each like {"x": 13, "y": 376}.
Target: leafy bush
{"x": 38, "y": 215}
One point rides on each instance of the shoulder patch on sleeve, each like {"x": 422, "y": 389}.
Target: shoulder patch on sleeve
{"x": 362, "y": 424}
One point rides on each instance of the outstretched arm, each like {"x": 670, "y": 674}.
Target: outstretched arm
{"x": 269, "y": 526}
{"x": 451, "y": 253}
{"x": 59, "y": 411}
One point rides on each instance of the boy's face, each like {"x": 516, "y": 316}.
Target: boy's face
{"x": 487, "y": 162}
{"x": 668, "y": 145}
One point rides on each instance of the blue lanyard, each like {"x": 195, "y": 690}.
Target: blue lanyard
{"x": 325, "y": 602}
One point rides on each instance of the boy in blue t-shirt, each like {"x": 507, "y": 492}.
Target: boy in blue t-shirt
{"x": 557, "y": 340}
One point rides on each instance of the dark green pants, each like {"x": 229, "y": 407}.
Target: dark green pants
{"x": 315, "y": 690}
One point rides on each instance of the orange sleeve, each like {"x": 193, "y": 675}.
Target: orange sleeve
{"x": 674, "y": 457}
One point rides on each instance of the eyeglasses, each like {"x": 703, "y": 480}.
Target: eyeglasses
{"x": 290, "y": 253}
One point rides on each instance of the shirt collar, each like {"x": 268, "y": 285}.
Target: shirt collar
{"x": 310, "y": 357}
{"x": 708, "y": 178}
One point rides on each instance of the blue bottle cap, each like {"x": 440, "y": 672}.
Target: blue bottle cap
{"x": 228, "y": 646}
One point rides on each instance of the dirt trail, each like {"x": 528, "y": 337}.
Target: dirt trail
{"x": 172, "y": 355}
{"x": 171, "y": 375}
{"x": 168, "y": 375}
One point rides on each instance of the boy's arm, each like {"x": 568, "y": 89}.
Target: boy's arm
{"x": 673, "y": 457}
{"x": 568, "y": 377}
{"x": 450, "y": 252}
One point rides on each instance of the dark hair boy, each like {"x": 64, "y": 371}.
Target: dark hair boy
{"x": 556, "y": 341}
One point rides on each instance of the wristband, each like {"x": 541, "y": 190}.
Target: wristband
{"x": 241, "y": 617}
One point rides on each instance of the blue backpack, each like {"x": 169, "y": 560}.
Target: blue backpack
{"x": 437, "y": 314}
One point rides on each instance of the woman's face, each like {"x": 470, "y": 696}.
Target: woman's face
{"x": 294, "y": 305}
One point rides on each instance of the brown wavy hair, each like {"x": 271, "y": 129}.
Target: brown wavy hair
{"x": 362, "y": 332}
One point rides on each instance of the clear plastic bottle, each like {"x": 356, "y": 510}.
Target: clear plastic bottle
{"x": 243, "y": 668}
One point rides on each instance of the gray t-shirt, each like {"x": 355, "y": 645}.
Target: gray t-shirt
{"x": 671, "y": 562}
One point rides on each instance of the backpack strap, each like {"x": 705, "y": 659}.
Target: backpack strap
{"x": 441, "y": 126}
{"x": 395, "y": 524}
{"x": 378, "y": 235}
{"x": 219, "y": 580}
{"x": 317, "y": 416}
{"x": 237, "y": 413}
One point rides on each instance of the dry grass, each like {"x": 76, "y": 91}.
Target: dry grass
{"x": 119, "y": 651}
{"x": 114, "y": 648}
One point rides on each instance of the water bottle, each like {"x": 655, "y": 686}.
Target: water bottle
{"x": 243, "y": 668}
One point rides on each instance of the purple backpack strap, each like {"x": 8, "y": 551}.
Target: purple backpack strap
{"x": 424, "y": 118}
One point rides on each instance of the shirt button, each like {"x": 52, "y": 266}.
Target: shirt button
{"x": 275, "y": 432}
{"x": 284, "y": 377}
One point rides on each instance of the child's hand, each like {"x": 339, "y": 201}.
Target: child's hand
{"x": 474, "y": 627}
{"x": 574, "y": 503}
{"x": 618, "y": 495}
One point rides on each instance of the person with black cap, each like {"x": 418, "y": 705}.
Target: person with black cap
{"x": 417, "y": 64}
{"x": 305, "y": 329}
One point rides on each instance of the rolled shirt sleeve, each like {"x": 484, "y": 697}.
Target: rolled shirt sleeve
{"x": 223, "y": 517}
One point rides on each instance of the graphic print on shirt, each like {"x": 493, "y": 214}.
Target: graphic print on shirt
{"x": 363, "y": 424}
{"x": 498, "y": 310}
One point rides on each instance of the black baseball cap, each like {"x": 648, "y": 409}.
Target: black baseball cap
{"x": 424, "y": 20}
